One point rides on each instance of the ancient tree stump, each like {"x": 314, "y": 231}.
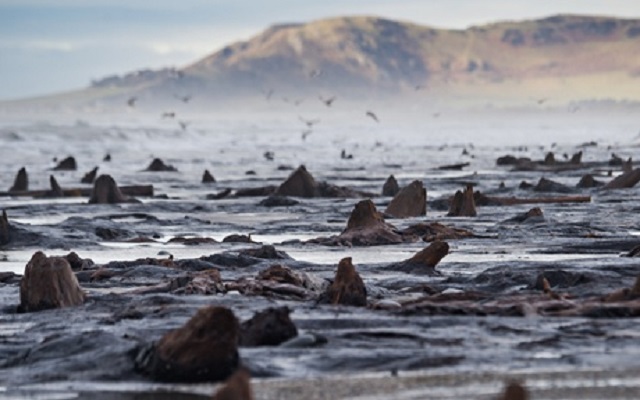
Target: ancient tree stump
{"x": 463, "y": 204}
{"x": 205, "y": 349}
{"x": 21, "y": 183}
{"x": 411, "y": 201}
{"x": 49, "y": 282}
{"x": 347, "y": 287}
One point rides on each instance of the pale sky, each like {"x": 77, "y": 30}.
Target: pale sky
{"x": 48, "y": 46}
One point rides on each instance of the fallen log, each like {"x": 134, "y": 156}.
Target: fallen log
{"x": 134, "y": 190}
{"x": 511, "y": 201}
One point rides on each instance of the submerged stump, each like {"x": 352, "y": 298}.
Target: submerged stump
{"x": 463, "y": 204}
{"x": 106, "y": 191}
{"x": 425, "y": 261}
{"x": 390, "y": 187}
{"x": 269, "y": 327}
{"x": 205, "y": 349}
{"x": 347, "y": 287}
{"x": 411, "y": 201}
{"x": 21, "y": 182}
{"x": 49, "y": 282}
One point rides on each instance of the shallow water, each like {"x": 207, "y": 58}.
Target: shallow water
{"x": 580, "y": 238}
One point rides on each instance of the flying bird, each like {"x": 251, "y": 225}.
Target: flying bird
{"x": 184, "y": 99}
{"x": 309, "y": 122}
{"x": 306, "y": 133}
{"x": 132, "y": 101}
{"x": 372, "y": 115}
{"x": 328, "y": 101}
{"x": 267, "y": 94}
{"x": 168, "y": 114}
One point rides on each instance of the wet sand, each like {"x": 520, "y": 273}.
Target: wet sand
{"x": 433, "y": 346}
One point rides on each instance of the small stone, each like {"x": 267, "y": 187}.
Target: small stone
{"x": 157, "y": 165}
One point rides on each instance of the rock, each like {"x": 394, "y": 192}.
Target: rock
{"x": 627, "y": 165}
{"x": 626, "y": 180}
{"x": 463, "y": 204}
{"x": 193, "y": 241}
{"x": 269, "y": 327}
{"x": 278, "y": 201}
{"x": 5, "y": 229}
{"x": 21, "y": 182}
{"x": 237, "y": 387}
{"x": 68, "y": 164}
{"x": 207, "y": 177}
{"x": 49, "y": 282}
{"x": 534, "y": 215}
{"x": 157, "y": 165}
{"x": 547, "y": 185}
{"x": 411, "y": 201}
{"x": 514, "y": 391}
{"x": 347, "y": 287}
{"x": 390, "y": 187}
{"x": 90, "y": 176}
{"x": 588, "y": 181}
{"x": 106, "y": 191}
{"x": 299, "y": 184}
{"x": 425, "y": 261}
{"x": 205, "y": 349}
{"x": 615, "y": 160}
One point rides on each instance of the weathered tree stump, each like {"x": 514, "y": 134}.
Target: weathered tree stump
{"x": 626, "y": 180}
{"x": 49, "y": 282}
{"x": 5, "y": 229}
{"x": 68, "y": 164}
{"x": 347, "y": 287}
{"x": 21, "y": 182}
{"x": 90, "y": 176}
{"x": 205, "y": 349}
{"x": 425, "y": 261}
{"x": 463, "y": 204}
{"x": 157, "y": 165}
{"x": 106, "y": 191}
{"x": 269, "y": 327}
{"x": 207, "y": 177}
{"x": 299, "y": 184}
{"x": 237, "y": 387}
{"x": 390, "y": 187}
{"x": 411, "y": 201}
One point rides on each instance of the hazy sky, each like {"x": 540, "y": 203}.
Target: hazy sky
{"x": 53, "y": 45}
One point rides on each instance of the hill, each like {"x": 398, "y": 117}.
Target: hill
{"x": 559, "y": 59}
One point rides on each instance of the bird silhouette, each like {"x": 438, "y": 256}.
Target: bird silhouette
{"x": 306, "y": 133}
{"x": 372, "y": 115}
{"x": 184, "y": 99}
{"x": 267, "y": 94}
{"x": 184, "y": 125}
{"x": 132, "y": 101}
{"x": 269, "y": 155}
{"x": 309, "y": 122}
{"x": 327, "y": 102}
{"x": 168, "y": 114}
